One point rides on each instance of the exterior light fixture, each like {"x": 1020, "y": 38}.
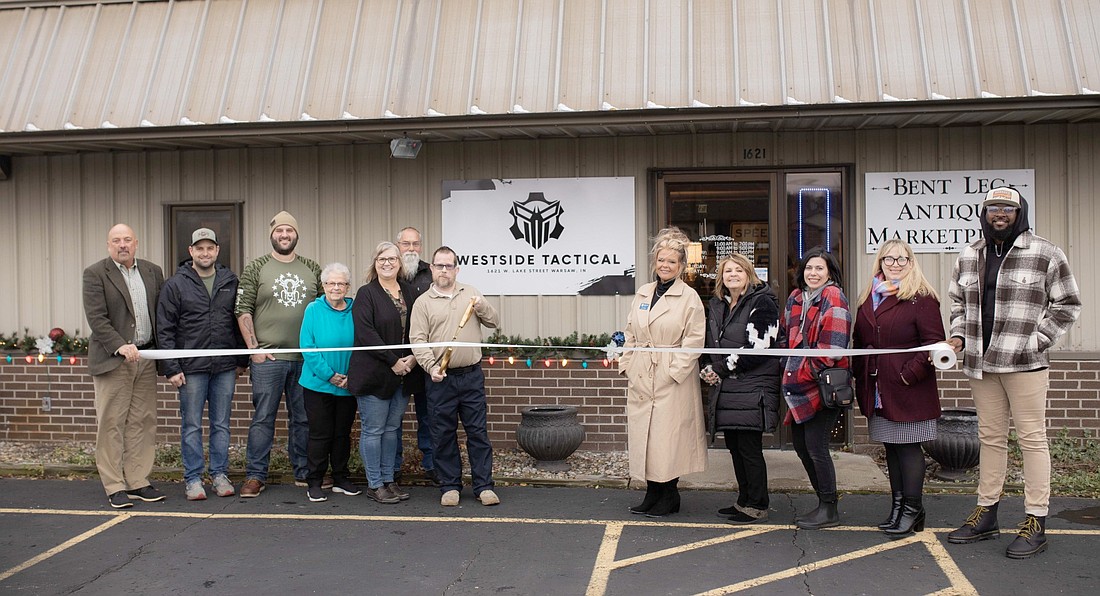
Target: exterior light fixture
{"x": 405, "y": 148}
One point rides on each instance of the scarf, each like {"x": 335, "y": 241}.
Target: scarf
{"x": 881, "y": 288}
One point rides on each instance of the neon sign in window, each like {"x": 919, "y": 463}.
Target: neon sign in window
{"x": 828, "y": 219}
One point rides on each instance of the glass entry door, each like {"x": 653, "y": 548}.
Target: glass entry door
{"x": 771, "y": 217}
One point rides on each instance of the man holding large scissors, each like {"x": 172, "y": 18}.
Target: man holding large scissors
{"x": 456, "y": 388}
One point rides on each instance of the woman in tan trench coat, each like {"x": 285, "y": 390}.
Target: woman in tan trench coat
{"x": 664, "y": 408}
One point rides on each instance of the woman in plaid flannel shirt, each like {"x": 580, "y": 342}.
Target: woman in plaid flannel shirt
{"x": 816, "y": 317}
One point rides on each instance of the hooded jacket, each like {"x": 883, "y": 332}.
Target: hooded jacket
{"x": 190, "y": 318}
{"x": 1030, "y": 300}
{"x": 747, "y": 398}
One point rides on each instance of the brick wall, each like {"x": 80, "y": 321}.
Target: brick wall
{"x": 598, "y": 393}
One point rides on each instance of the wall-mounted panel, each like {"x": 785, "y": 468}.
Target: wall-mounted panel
{"x": 580, "y": 56}
{"x": 173, "y": 70}
{"x": 759, "y": 63}
{"x": 805, "y": 51}
{"x": 713, "y": 53}
{"x": 496, "y": 58}
{"x": 418, "y": 30}
{"x": 371, "y": 58}
{"x": 669, "y": 54}
{"x": 539, "y": 31}
{"x": 252, "y": 63}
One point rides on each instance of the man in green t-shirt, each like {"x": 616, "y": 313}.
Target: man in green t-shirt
{"x": 271, "y": 300}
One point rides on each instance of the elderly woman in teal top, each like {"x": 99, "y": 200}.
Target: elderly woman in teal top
{"x": 330, "y": 407}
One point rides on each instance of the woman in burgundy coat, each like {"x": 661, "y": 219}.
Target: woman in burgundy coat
{"x": 897, "y": 392}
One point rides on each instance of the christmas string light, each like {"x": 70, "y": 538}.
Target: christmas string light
{"x": 492, "y": 360}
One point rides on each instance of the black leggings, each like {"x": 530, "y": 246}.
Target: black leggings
{"x": 811, "y": 443}
{"x": 905, "y": 462}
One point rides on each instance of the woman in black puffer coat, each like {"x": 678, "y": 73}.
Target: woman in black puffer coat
{"x": 744, "y": 401}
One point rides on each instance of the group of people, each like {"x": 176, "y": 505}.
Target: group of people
{"x": 290, "y": 312}
{"x": 1012, "y": 297}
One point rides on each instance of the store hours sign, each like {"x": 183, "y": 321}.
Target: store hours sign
{"x": 542, "y": 236}
{"x": 934, "y": 211}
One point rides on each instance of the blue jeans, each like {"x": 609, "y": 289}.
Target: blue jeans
{"x": 380, "y": 436}
{"x": 423, "y": 436}
{"x": 270, "y": 379}
{"x": 214, "y": 391}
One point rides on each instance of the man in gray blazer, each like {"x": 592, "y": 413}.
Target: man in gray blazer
{"x": 120, "y": 300}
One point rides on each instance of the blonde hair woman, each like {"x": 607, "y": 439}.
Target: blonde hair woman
{"x": 897, "y": 392}
{"x": 664, "y": 405}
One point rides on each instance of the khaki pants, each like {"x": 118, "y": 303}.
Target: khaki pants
{"x": 126, "y": 418}
{"x": 1024, "y": 396}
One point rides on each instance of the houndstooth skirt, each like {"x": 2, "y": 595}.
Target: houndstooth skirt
{"x": 889, "y": 431}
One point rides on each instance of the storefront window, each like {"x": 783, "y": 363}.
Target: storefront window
{"x": 814, "y": 217}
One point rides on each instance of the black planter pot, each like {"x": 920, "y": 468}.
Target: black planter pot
{"x": 550, "y": 434}
{"x": 956, "y": 447}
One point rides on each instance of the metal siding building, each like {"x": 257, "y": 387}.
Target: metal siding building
{"x": 112, "y": 110}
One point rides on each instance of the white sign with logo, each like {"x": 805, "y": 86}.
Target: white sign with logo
{"x": 548, "y": 236}
{"x": 934, "y": 211}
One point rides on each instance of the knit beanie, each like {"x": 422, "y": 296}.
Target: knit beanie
{"x": 283, "y": 218}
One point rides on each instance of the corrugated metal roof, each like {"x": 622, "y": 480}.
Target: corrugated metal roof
{"x": 81, "y": 67}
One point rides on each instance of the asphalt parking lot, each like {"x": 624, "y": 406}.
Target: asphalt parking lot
{"x": 60, "y": 537}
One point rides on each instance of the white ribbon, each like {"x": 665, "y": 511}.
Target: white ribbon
{"x": 942, "y": 355}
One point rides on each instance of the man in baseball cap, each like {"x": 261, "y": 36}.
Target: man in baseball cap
{"x": 203, "y": 234}
{"x": 195, "y": 312}
{"x": 1012, "y": 297}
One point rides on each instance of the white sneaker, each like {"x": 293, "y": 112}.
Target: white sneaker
{"x": 195, "y": 491}
{"x": 488, "y": 497}
{"x": 449, "y": 499}
{"x": 223, "y": 487}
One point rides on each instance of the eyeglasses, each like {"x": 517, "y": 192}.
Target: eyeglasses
{"x": 336, "y": 284}
{"x": 386, "y": 260}
{"x": 1006, "y": 209}
{"x": 890, "y": 261}
{"x": 407, "y": 244}
{"x": 443, "y": 266}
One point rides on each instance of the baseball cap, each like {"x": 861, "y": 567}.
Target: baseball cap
{"x": 1002, "y": 195}
{"x": 203, "y": 234}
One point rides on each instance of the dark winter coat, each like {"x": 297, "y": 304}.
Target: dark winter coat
{"x": 906, "y": 381}
{"x": 378, "y": 323}
{"x": 414, "y": 381}
{"x": 748, "y": 396}
{"x": 189, "y": 318}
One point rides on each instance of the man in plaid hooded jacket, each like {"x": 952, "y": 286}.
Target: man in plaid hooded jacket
{"x": 1012, "y": 297}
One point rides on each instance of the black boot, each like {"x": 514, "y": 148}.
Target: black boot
{"x": 1031, "y": 539}
{"x": 895, "y": 512}
{"x": 824, "y": 516}
{"x": 911, "y": 518}
{"x": 981, "y": 525}
{"x": 669, "y": 501}
{"x": 652, "y": 493}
